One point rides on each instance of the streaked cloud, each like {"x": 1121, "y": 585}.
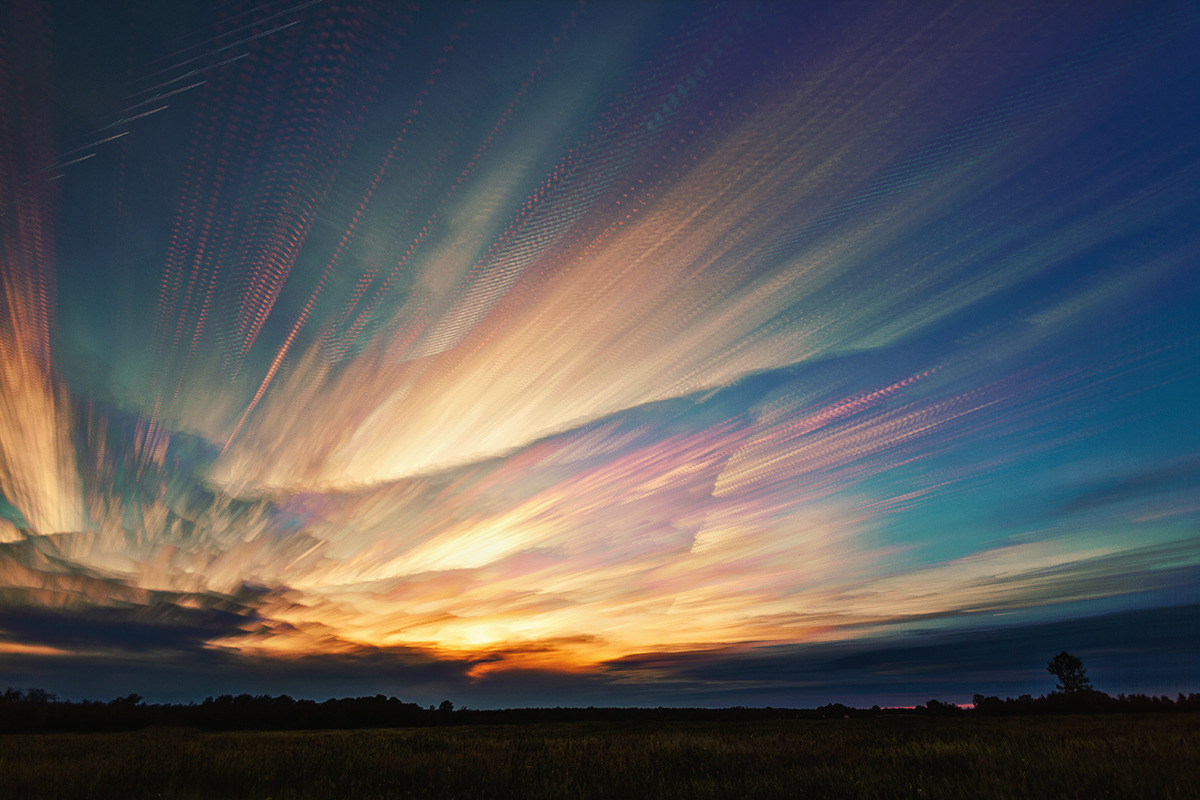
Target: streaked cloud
{"x": 642, "y": 333}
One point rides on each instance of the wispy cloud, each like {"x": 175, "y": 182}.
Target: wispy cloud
{"x": 640, "y": 335}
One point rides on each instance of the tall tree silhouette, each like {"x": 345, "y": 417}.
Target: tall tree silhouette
{"x": 1072, "y": 677}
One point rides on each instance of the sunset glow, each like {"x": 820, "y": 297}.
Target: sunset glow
{"x": 597, "y": 344}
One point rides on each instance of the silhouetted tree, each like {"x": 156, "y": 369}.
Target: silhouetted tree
{"x": 1072, "y": 677}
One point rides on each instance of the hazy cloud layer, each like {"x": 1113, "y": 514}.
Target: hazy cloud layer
{"x": 551, "y": 348}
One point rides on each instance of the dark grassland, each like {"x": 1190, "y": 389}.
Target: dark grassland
{"x": 1101, "y": 756}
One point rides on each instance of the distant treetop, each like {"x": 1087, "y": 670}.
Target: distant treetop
{"x": 1072, "y": 677}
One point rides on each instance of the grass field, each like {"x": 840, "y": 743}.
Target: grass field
{"x": 1051, "y": 757}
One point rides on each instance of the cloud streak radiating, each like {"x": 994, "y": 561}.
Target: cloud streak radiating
{"x": 604, "y": 343}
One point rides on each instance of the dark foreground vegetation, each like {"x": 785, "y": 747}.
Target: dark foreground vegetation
{"x": 36, "y": 711}
{"x": 896, "y": 756}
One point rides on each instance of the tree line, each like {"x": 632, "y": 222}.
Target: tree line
{"x": 36, "y": 710}
{"x": 1074, "y": 693}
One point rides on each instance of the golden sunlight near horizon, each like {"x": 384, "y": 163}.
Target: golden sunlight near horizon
{"x": 496, "y": 340}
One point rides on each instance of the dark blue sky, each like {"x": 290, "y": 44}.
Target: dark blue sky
{"x": 599, "y": 353}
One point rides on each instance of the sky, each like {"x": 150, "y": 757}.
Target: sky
{"x": 599, "y": 353}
